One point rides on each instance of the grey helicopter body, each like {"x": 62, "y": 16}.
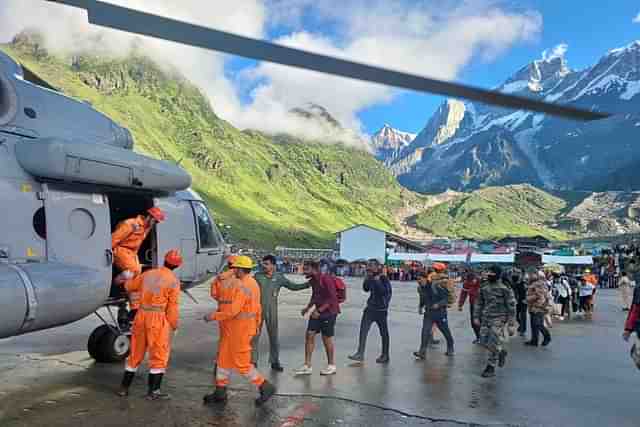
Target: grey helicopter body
{"x": 68, "y": 175}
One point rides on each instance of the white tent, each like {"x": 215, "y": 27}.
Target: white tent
{"x": 417, "y": 257}
{"x": 493, "y": 258}
{"x": 447, "y": 257}
{"x": 567, "y": 260}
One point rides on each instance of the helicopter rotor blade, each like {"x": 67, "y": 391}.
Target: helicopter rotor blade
{"x": 146, "y": 24}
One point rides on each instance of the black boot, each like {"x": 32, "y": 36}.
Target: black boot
{"x": 419, "y": 355}
{"x": 266, "y": 391}
{"x": 155, "y": 380}
{"x": 489, "y": 371}
{"x": 127, "y": 379}
{"x": 546, "y": 341}
{"x": 502, "y": 358}
{"x": 218, "y": 396}
{"x": 277, "y": 367}
{"x": 531, "y": 343}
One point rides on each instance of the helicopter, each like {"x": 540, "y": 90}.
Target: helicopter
{"x": 68, "y": 174}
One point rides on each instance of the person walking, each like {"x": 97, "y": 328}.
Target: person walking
{"x": 496, "y": 310}
{"x": 563, "y": 292}
{"x": 626, "y": 288}
{"x": 632, "y": 324}
{"x": 270, "y": 282}
{"x": 158, "y": 315}
{"x": 587, "y": 290}
{"x": 434, "y": 298}
{"x": 470, "y": 288}
{"x": 376, "y": 311}
{"x": 519, "y": 287}
{"x": 538, "y": 302}
{"x": 324, "y": 300}
{"x": 238, "y": 315}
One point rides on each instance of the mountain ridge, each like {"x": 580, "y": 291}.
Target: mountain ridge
{"x": 471, "y": 144}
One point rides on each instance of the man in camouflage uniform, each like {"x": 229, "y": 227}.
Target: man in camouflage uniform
{"x": 496, "y": 309}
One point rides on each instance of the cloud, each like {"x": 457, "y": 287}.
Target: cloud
{"x": 414, "y": 39}
{"x": 636, "y": 20}
{"x": 66, "y": 30}
{"x": 558, "y": 51}
{"x": 417, "y": 38}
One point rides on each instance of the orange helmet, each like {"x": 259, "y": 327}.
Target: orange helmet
{"x": 439, "y": 266}
{"x": 173, "y": 258}
{"x": 157, "y": 213}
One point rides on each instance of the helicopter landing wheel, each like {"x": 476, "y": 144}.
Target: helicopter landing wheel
{"x": 107, "y": 345}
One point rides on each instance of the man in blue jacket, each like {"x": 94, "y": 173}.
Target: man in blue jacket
{"x": 376, "y": 310}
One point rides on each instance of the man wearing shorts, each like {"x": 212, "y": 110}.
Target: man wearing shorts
{"x": 322, "y": 320}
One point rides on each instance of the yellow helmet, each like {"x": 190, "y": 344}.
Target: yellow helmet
{"x": 243, "y": 261}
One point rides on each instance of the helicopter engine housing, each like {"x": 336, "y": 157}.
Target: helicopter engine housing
{"x": 36, "y": 295}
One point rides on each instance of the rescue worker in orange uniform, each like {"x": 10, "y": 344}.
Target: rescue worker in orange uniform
{"x": 239, "y": 315}
{"x": 222, "y": 280}
{"x": 125, "y": 244}
{"x": 157, "y": 316}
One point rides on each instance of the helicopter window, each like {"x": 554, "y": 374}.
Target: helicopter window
{"x": 208, "y": 238}
{"x": 40, "y": 223}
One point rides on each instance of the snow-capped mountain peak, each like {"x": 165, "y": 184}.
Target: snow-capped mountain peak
{"x": 465, "y": 145}
{"x": 388, "y": 142}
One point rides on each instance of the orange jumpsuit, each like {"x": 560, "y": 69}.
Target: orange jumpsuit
{"x": 125, "y": 244}
{"x": 222, "y": 280}
{"x": 239, "y": 315}
{"x": 158, "y": 315}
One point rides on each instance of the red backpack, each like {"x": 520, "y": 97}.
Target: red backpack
{"x": 341, "y": 289}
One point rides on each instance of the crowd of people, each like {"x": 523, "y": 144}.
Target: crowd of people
{"x": 500, "y": 303}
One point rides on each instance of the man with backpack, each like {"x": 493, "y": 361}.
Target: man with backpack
{"x": 496, "y": 310}
{"x": 434, "y": 300}
{"x": 376, "y": 311}
{"x": 538, "y": 302}
{"x": 324, "y": 300}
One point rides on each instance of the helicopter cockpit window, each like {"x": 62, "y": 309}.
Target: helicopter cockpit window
{"x": 208, "y": 237}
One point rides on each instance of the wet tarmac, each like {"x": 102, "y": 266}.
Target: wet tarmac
{"x": 585, "y": 378}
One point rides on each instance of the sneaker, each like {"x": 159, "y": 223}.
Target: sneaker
{"x": 502, "y": 358}
{"x": 546, "y": 342}
{"x": 303, "y": 370}
{"x": 383, "y": 359}
{"x": 277, "y": 367}
{"x": 357, "y": 357}
{"x": 419, "y": 355}
{"x": 450, "y": 353}
{"x": 329, "y": 370}
{"x": 476, "y": 341}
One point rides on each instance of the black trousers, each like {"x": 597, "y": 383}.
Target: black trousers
{"x": 476, "y": 328}
{"x": 566, "y": 309}
{"x": 521, "y": 317}
{"x": 378, "y": 317}
{"x": 537, "y": 326}
{"x": 441, "y": 323}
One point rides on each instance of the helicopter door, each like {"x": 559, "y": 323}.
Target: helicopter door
{"x": 210, "y": 242}
{"x": 78, "y": 229}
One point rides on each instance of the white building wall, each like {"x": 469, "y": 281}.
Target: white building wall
{"x": 362, "y": 242}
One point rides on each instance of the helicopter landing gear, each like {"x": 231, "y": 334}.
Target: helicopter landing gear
{"x": 110, "y": 343}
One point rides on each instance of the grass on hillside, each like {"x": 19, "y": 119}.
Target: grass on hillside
{"x": 496, "y": 212}
{"x": 270, "y": 190}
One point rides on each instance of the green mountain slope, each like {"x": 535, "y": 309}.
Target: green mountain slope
{"x": 270, "y": 190}
{"x": 494, "y": 212}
